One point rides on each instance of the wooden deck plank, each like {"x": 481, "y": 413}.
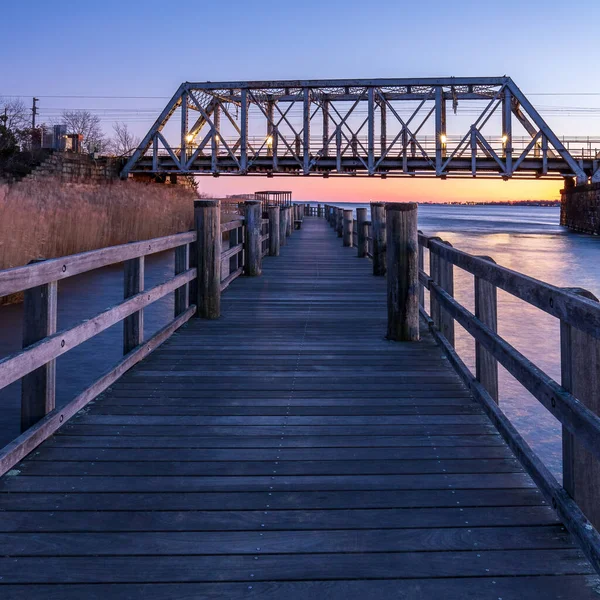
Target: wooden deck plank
{"x": 285, "y": 450}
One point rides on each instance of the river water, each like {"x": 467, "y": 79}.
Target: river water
{"x": 527, "y": 239}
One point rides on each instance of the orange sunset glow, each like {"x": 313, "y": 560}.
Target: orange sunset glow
{"x": 363, "y": 189}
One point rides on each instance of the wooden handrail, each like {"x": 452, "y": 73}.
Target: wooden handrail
{"x": 574, "y": 502}
{"x": 578, "y": 311}
{"x": 18, "y": 279}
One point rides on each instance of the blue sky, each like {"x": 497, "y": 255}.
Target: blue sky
{"x": 134, "y": 48}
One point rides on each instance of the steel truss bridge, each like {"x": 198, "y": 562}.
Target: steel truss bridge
{"x": 446, "y": 127}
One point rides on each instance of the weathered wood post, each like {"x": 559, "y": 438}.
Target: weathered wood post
{"x": 253, "y": 220}
{"x": 402, "y": 257}
{"x": 347, "y": 227}
{"x": 318, "y": 210}
{"x": 282, "y": 226}
{"x": 434, "y": 273}
{"x": 208, "y": 258}
{"x": 274, "y": 228}
{"x": 447, "y": 284}
{"x": 378, "y": 233}
{"x": 339, "y": 222}
{"x": 289, "y": 220}
{"x": 580, "y": 375}
{"x": 133, "y": 325}
{"x": 38, "y": 388}
{"x": 486, "y": 310}
{"x": 361, "y": 230}
{"x": 182, "y": 262}
{"x": 421, "y": 268}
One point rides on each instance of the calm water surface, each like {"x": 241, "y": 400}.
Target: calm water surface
{"x": 527, "y": 239}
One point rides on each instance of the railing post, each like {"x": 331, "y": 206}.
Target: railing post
{"x": 289, "y": 220}
{"x": 133, "y": 325}
{"x": 421, "y": 268}
{"x": 402, "y": 271}
{"x": 347, "y": 227}
{"x": 361, "y": 230}
{"x": 446, "y": 282}
{"x": 486, "y": 310}
{"x": 339, "y": 222}
{"x": 434, "y": 273}
{"x": 580, "y": 375}
{"x": 378, "y": 233}
{"x": 182, "y": 261}
{"x": 282, "y": 226}
{"x": 253, "y": 219}
{"x": 207, "y": 215}
{"x": 274, "y": 229}
{"x": 38, "y": 388}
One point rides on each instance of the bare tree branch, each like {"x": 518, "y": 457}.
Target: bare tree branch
{"x": 83, "y": 122}
{"x": 123, "y": 142}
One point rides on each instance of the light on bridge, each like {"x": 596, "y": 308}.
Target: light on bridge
{"x": 443, "y": 138}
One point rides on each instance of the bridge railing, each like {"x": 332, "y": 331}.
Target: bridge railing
{"x": 575, "y": 402}
{"x": 206, "y": 261}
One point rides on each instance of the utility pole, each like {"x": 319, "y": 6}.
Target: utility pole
{"x": 34, "y": 112}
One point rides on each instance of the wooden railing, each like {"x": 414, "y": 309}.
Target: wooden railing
{"x": 35, "y": 365}
{"x": 575, "y": 402}
{"x": 207, "y": 260}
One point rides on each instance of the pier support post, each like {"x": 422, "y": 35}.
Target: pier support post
{"x": 207, "y": 214}
{"x": 486, "y": 310}
{"x": 273, "y": 212}
{"x": 38, "y": 388}
{"x": 339, "y": 222}
{"x": 361, "y": 230}
{"x": 347, "y": 227}
{"x": 402, "y": 257}
{"x": 580, "y": 375}
{"x": 253, "y": 221}
{"x": 378, "y": 233}
{"x": 133, "y": 325}
{"x": 421, "y": 268}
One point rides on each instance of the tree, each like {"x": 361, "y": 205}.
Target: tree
{"x": 88, "y": 125}
{"x": 15, "y": 118}
{"x": 123, "y": 142}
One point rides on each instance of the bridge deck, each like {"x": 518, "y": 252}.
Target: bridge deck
{"x": 285, "y": 451}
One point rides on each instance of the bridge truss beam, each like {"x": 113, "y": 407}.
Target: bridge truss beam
{"x": 382, "y": 127}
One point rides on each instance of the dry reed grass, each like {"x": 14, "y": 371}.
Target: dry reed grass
{"x": 49, "y": 218}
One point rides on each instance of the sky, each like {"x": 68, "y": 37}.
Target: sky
{"x": 75, "y": 54}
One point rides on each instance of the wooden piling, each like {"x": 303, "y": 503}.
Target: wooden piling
{"x": 133, "y": 325}
{"x": 253, "y": 222}
{"x": 339, "y": 222}
{"x": 580, "y": 375}
{"x": 207, "y": 215}
{"x": 347, "y": 225}
{"x": 38, "y": 388}
{"x": 486, "y": 310}
{"x": 421, "y": 268}
{"x": 361, "y": 230}
{"x": 274, "y": 228}
{"x": 378, "y": 233}
{"x": 402, "y": 271}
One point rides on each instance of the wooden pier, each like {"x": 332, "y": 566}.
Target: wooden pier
{"x": 282, "y": 451}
